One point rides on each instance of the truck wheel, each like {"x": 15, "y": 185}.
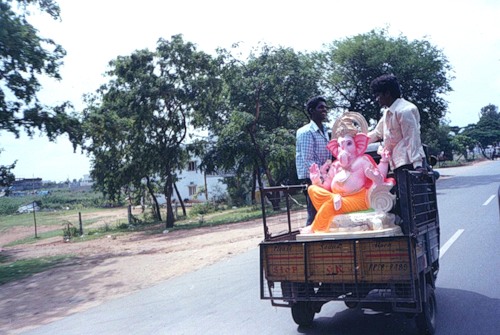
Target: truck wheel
{"x": 426, "y": 321}
{"x": 303, "y": 313}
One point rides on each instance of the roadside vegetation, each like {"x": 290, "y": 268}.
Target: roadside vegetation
{"x": 67, "y": 220}
{"x": 63, "y": 223}
{"x": 56, "y": 200}
{"x": 11, "y": 271}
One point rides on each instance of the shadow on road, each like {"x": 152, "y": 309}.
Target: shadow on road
{"x": 459, "y": 313}
{"x": 464, "y": 312}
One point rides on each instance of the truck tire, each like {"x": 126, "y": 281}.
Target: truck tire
{"x": 303, "y": 313}
{"x": 426, "y": 321}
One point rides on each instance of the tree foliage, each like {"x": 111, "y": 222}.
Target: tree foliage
{"x": 135, "y": 124}
{"x": 462, "y": 145}
{"x": 265, "y": 96}
{"x": 6, "y": 176}
{"x": 349, "y": 65}
{"x": 24, "y": 57}
{"x": 438, "y": 139}
{"x": 487, "y": 130}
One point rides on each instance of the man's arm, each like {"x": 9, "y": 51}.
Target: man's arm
{"x": 409, "y": 120}
{"x": 376, "y": 134}
{"x": 308, "y": 150}
{"x": 304, "y": 154}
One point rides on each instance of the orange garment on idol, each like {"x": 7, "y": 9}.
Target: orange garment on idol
{"x": 323, "y": 202}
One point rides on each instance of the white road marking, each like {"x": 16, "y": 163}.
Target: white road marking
{"x": 489, "y": 200}
{"x": 448, "y": 243}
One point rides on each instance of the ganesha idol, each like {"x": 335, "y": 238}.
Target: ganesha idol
{"x": 351, "y": 183}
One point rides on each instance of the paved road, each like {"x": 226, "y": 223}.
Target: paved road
{"x": 224, "y": 298}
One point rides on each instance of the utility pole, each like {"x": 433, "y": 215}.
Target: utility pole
{"x": 34, "y": 217}
{"x": 34, "y": 203}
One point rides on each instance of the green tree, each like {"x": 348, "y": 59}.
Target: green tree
{"x": 438, "y": 139}
{"x": 6, "y": 176}
{"x": 255, "y": 131}
{"x": 462, "y": 144}
{"x": 135, "y": 124}
{"x": 350, "y": 64}
{"x": 24, "y": 57}
{"x": 487, "y": 130}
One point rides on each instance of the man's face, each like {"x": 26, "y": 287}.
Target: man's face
{"x": 383, "y": 99}
{"x": 320, "y": 112}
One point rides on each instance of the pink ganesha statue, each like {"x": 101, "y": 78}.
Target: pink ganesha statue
{"x": 349, "y": 184}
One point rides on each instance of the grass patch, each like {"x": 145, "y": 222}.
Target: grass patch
{"x": 219, "y": 218}
{"x": 58, "y": 199}
{"x": 89, "y": 234}
{"x": 4, "y": 258}
{"x": 32, "y": 239}
{"x": 94, "y": 234}
{"x": 47, "y": 218}
{"x": 225, "y": 217}
{"x": 120, "y": 226}
{"x": 23, "y": 268}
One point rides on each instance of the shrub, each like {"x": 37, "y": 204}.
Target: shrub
{"x": 204, "y": 208}
{"x": 69, "y": 231}
{"x": 55, "y": 200}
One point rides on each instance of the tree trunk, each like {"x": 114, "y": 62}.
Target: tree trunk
{"x": 206, "y": 187}
{"x": 275, "y": 200}
{"x": 156, "y": 206}
{"x": 254, "y": 180}
{"x": 180, "y": 199}
{"x": 168, "y": 190}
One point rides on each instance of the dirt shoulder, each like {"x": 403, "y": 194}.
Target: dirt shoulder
{"x": 111, "y": 267}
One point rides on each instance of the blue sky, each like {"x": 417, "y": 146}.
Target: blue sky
{"x": 95, "y": 31}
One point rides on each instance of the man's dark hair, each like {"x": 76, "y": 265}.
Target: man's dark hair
{"x": 386, "y": 83}
{"x": 313, "y": 103}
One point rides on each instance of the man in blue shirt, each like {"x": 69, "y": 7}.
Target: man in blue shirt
{"x": 311, "y": 146}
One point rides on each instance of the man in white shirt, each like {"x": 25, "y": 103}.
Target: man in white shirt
{"x": 399, "y": 126}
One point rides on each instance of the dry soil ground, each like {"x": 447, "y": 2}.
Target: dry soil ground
{"x": 109, "y": 267}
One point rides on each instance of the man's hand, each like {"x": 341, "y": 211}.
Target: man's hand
{"x": 422, "y": 170}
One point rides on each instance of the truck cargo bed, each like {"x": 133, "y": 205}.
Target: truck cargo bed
{"x": 368, "y": 269}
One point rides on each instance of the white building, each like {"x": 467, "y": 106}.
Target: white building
{"x": 192, "y": 181}
{"x": 191, "y": 184}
